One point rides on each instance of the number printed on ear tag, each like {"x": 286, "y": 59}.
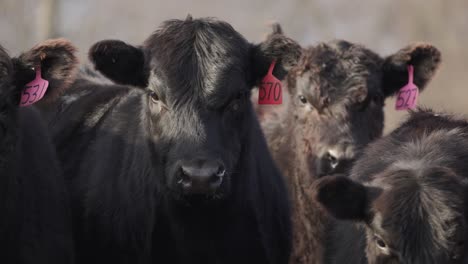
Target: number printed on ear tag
{"x": 34, "y": 91}
{"x": 408, "y": 95}
{"x": 270, "y": 90}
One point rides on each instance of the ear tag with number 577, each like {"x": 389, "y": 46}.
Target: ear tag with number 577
{"x": 34, "y": 90}
{"x": 408, "y": 95}
{"x": 270, "y": 90}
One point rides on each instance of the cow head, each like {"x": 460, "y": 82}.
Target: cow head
{"x": 337, "y": 94}
{"x": 197, "y": 74}
{"x": 409, "y": 217}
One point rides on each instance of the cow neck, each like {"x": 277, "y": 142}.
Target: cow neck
{"x": 295, "y": 157}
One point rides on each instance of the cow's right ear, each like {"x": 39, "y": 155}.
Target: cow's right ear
{"x": 276, "y": 47}
{"x": 120, "y": 62}
{"x": 343, "y": 198}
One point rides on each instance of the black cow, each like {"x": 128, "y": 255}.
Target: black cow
{"x": 35, "y": 221}
{"x": 172, "y": 167}
{"x": 407, "y": 196}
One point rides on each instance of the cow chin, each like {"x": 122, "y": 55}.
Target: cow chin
{"x": 200, "y": 199}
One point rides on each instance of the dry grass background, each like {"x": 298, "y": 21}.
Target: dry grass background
{"x": 384, "y": 26}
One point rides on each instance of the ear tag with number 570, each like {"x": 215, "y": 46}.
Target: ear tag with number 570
{"x": 270, "y": 90}
{"x": 35, "y": 90}
{"x": 408, "y": 95}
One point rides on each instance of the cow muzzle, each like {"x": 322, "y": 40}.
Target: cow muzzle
{"x": 330, "y": 164}
{"x": 200, "y": 176}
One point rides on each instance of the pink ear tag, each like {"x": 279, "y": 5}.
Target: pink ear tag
{"x": 408, "y": 95}
{"x": 35, "y": 90}
{"x": 270, "y": 89}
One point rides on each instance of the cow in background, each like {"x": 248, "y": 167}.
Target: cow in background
{"x": 406, "y": 199}
{"x": 35, "y": 222}
{"x": 333, "y": 107}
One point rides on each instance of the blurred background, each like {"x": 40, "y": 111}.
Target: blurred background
{"x": 384, "y": 26}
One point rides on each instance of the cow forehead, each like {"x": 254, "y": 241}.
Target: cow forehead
{"x": 210, "y": 91}
{"x": 199, "y": 58}
{"x": 418, "y": 215}
{"x": 338, "y": 66}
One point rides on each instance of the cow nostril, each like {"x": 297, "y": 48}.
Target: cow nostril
{"x": 215, "y": 179}
{"x": 200, "y": 177}
{"x": 221, "y": 171}
{"x": 184, "y": 178}
{"x": 332, "y": 160}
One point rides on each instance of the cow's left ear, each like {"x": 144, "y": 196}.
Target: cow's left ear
{"x": 285, "y": 51}
{"x": 120, "y": 62}
{"x": 425, "y": 59}
{"x": 58, "y": 62}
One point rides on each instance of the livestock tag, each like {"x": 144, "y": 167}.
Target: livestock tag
{"x": 270, "y": 90}
{"x": 35, "y": 90}
{"x": 408, "y": 95}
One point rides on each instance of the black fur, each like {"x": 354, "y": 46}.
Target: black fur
{"x": 415, "y": 181}
{"x": 122, "y": 147}
{"x": 343, "y": 198}
{"x": 35, "y": 223}
{"x": 120, "y": 62}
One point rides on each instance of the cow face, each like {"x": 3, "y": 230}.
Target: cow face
{"x": 197, "y": 74}
{"x": 337, "y": 94}
{"x": 408, "y": 217}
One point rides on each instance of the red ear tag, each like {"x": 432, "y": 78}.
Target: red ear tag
{"x": 34, "y": 91}
{"x": 408, "y": 95}
{"x": 270, "y": 91}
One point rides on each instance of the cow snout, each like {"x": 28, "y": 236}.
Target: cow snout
{"x": 330, "y": 164}
{"x": 201, "y": 176}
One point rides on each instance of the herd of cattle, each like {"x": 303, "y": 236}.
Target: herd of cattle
{"x": 160, "y": 153}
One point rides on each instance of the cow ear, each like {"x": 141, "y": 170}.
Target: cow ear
{"x": 343, "y": 198}
{"x": 120, "y": 62}
{"x": 57, "y": 61}
{"x": 285, "y": 51}
{"x": 425, "y": 59}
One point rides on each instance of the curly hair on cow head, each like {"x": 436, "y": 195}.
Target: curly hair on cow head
{"x": 333, "y": 108}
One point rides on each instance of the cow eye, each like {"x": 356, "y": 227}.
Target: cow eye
{"x": 380, "y": 243}
{"x": 302, "y": 99}
{"x": 154, "y": 96}
{"x": 235, "y": 105}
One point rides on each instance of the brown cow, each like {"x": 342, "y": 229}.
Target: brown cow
{"x": 333, "y": 108}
